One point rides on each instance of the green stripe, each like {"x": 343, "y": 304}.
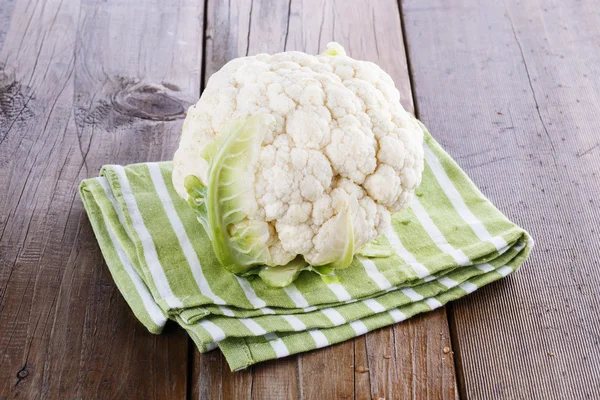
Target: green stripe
{"x": 418, "y": 242}
{"x": 447, "y": 219}
{"x": 98, "y": 219}
{"x": 170, "y": 255}
{"x": 139, "y": 261}
{"x": 494, "y": 221}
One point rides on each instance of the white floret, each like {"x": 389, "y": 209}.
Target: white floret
{"x": 340, "y": 133}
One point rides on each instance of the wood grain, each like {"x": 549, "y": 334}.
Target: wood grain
{"x": 512, "y": 92}
{"x": 409, "y": 360}
{"x": 404, "y": 361}
{"x": 82, "y": 85}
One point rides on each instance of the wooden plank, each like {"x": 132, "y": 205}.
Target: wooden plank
{"x": 511, "y": 91}
{"x": 65, "y": 331}
{"x": 328, "y": 372}
{"x": 404, "y": 361}
{"x": 411, "y": 360}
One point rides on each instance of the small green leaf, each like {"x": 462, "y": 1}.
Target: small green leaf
{"x": 326, "y": 273}
{"x": 334, "y": 49}
{"x": 283, "y": 275}
{"x": 373, "y": 250}
{"x": 331, "y": 278}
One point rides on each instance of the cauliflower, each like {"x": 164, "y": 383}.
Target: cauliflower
{"x": 290, "y": 157}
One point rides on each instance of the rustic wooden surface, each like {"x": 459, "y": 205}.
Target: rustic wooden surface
{"x": 65, "y": 331}
{"x": 510, "y": 89}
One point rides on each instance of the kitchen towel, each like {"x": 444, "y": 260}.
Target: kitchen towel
{"x": 450, "y": 242}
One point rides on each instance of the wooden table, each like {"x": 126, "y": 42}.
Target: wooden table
{"x": 511, "y": 89}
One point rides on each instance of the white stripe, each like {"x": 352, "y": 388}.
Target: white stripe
{"x": 256, "y": 301}
{"x": 267, "y": 310}
{"x": 449, "y": 283}
{"x": 309, "y": 309}
{"x": 433, "y": 303}
{"x": 255, "y": 328}
{"x": 485, "y": 267}
{"x": 182, "y": 237}
{"x": 359, "y": 327}
{"x": 155, "y": 313}
{"x": 213, "y": 329}
{"x": 468, "y": 287}
{"x": 520, "y": 246}
{"x": 406, "y": 255}
{"x": 374, "y": 305}
{"x": 226, "y": 311}
{"x": 280, "y": 348}
{"x": 374, "y": 273}
{"x": 414, "y": 296}
{"x": 334, "y": 316}
{"x": 319, "y": 338}
{"x": 499, "y": 243}
{"x": 429, "y": 278}
{"x": 436, "y": 235}
{"x": 504, "y": 270}
{"x": 211, "y": 346}
{"x": 340, "y": 291}
{"x": 149, "y": 303}
{"x": 504, "y": 249}
{"x": 457, "y": 200}
{"x": 294, "y": 322}
{"x": 296, "y": 296}
{"x": 109, "y": 194}
{"x": 154, "y": 266}
{"x": 397, "y": 315}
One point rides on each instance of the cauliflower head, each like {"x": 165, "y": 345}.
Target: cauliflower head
{"x": 314, "y": 154}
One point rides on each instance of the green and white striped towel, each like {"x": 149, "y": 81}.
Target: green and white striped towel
{"x": 450, "y": 242}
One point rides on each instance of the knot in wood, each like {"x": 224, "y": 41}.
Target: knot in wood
{"x": 148, "y": 101}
